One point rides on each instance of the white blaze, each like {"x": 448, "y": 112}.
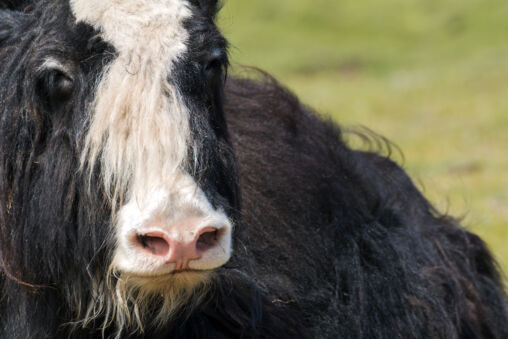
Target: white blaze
{"x": 139, "y": 128}
{"x": 139, "y": 134}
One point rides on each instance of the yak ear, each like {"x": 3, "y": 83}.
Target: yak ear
{"x": 9, "y": 21}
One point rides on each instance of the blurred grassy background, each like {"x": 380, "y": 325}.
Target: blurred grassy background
{"x": 430, "y": 75}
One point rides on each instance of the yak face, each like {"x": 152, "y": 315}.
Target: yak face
{"x": 116, "y": 150}
{"x": 144, "y": 133}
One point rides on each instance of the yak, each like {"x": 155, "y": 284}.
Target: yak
{"x": 144, "y": 193}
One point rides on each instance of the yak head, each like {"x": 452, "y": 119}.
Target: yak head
{"x": 117, "y": 178}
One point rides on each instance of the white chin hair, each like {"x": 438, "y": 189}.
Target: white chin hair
{"x": 134, "y": 302}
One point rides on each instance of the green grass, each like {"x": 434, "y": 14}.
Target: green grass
{"x": 430, "y": 75}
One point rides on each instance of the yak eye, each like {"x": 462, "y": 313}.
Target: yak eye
{"x": 55, "y": 87}
{"x": 214, "y": 66}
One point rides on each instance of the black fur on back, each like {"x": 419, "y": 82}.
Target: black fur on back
{"x": 345, "y": 238}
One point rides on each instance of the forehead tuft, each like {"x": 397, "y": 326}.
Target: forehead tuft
{"x": 134, "y": 24}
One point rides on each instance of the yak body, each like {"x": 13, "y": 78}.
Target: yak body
{"x": 361, "y": 253}
{"x": 328, "y": 242}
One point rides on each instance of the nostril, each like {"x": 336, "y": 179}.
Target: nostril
{"x": 207, "y": 239}
{"x": 154, "y": 243}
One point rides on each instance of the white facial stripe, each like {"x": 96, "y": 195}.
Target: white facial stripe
{"x": 139, "y": 129}
{"x": 139, "y": 126}
{"x": 139, "y": 133}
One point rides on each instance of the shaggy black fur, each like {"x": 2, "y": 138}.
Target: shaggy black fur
{"x": 53, "y": 237}
{"x": 330, "y": 242}
{"x": 344, "y": 238}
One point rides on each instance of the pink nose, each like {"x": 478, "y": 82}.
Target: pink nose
{"x": 173, "y": 249}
